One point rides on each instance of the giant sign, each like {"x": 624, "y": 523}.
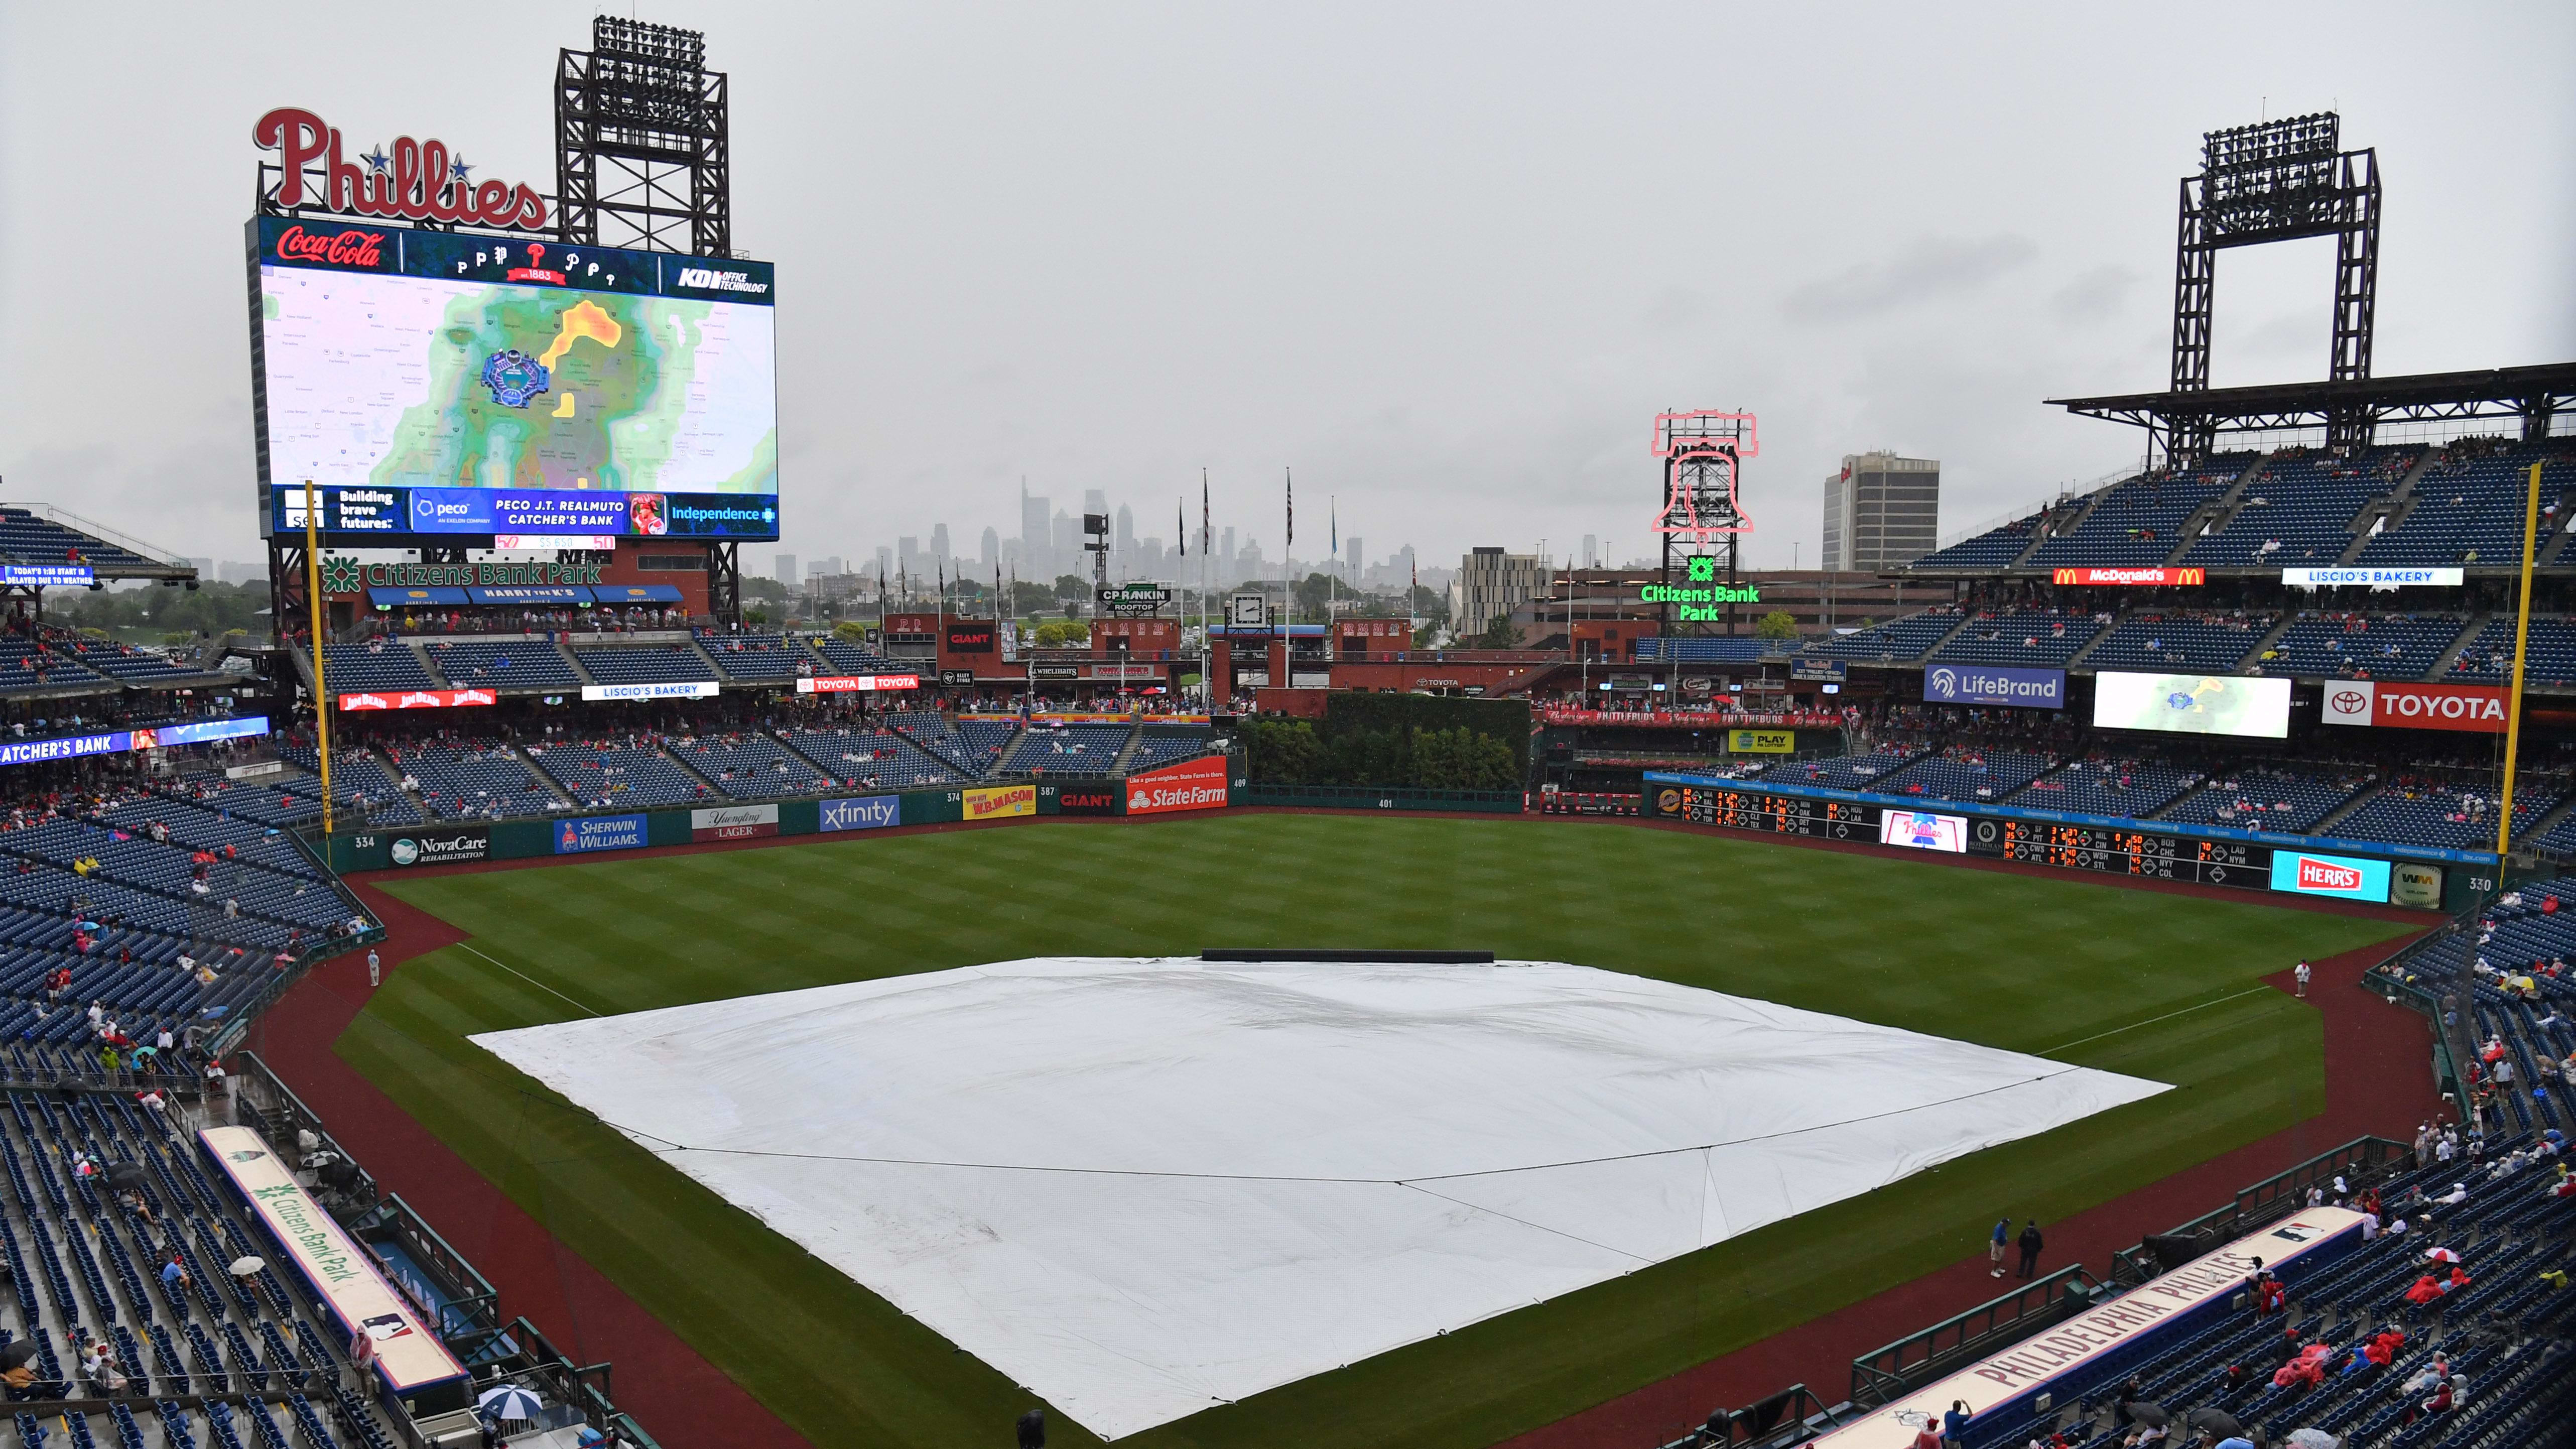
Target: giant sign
{"x": 1190, "y": 785}
{"x": 404, "y": 1346}
{"x": 446, "y": 383}
{"x": 2476, "y": 708}
{"x": 1994, "y": 684}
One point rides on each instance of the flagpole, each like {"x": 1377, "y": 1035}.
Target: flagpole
{"x": 2513, "y": 707}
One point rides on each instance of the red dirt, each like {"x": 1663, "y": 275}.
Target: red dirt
{"x": 686, "y": 1402}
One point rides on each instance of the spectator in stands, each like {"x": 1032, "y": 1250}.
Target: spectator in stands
{"x": 1954, "y": 1424}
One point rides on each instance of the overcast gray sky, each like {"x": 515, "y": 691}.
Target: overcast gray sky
{"x": 1446, "y": 261}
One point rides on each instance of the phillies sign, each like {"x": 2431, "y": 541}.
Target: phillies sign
{"x": 2184, "y": 578}
{"x": 418, "y": 181}
{"x": 2476, "y": 708}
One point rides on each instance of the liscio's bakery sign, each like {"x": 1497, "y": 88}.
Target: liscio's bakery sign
{"x": 413, "y": 181}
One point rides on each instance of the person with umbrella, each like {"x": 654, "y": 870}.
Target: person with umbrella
{"x": 17, "y": 1371}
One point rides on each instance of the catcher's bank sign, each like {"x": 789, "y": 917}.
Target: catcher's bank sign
{"x": 1994, "y": 684}
{"x": 2477, "y": 708}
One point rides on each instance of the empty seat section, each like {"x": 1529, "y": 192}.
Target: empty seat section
{"x": 2360, "y": 646}
{"x": 502, "y": 664}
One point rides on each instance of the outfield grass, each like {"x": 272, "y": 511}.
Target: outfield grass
{"x": 2050, "y": 965}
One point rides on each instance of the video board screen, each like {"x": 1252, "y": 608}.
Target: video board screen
{"x": 441, "y": 383}
{"x": 1923, "y": 830}
{"x": 2192, "y": 704}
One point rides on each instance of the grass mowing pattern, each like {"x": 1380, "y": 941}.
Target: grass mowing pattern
{"x": 2021, "y": 962}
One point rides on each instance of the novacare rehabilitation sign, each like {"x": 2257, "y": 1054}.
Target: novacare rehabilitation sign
{"x": 406, "y": 1348}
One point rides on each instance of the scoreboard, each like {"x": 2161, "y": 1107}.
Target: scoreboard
{"x": 2126, "y": 852}
{"x": 2139, "y": 852}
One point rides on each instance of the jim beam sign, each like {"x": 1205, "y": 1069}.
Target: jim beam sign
{"x": 1133, "y": 601}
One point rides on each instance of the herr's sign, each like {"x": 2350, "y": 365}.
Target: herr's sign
{"x": 2131, "y": 577}
{"x": 416, "y": 181}
{"x": 2382, "y": 579}
{"x": 1994, "y": 684}
{"x": 405, "y": 1349}
{"x": 2474, "y": 708}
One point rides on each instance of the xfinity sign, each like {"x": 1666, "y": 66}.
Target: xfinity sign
{"x": 1994, "y": 684}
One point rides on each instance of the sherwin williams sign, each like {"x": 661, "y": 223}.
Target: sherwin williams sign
{"x": 599, "y": 832}
{"x": 868, "y": 812}
{"x": 2342, "y": 876}
{"x": 997, "y": 803}
{"x": 1994, "y": 684}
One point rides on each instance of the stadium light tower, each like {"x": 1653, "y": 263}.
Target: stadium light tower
{"x": 1703, "y": 454}
{"x": 643, "y": 158}
{"x": 2277, "y": 181}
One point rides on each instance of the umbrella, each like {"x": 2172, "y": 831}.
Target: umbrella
{"x": 509, "y": 1401}
{"x": 2154, "y": 1416}
{"x": 126, "y": 1174}
{"x": 2441, "y": 1255}
{"x": 17, "y": 1351}
{"x": 245, "y": 1266}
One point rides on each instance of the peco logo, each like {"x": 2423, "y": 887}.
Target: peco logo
{"x": 2322, "y": 875}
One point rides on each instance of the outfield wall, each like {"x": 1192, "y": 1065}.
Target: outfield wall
{"x": 1191, "y": 785}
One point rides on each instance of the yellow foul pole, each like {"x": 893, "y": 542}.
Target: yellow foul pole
{"x": 321, "y": 682}
{"x": 2521, "y": 637}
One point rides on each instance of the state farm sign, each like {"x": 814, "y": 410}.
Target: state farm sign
{"x": 2477, "y": 708}
{"x": 1194, "y": 785}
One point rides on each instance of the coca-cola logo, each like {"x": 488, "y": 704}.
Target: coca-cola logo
{"x": 416, "y": 181}
{"x": 2319, "y": 875}
{"x": 350, "y": 247}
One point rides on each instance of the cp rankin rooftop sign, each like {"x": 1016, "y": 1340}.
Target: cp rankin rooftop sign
{"x": 417, "y": 181}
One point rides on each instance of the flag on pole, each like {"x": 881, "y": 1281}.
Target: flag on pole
{"x": 1292, "y": 510}
{"x": 1205, "y": 535}
{"x": 1181, "y": 525}
{"x": 1333, "y": 509}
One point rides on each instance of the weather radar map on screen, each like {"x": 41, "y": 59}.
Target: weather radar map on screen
{"x": 440, "y": 383}
{"x": 2192, "y": 704}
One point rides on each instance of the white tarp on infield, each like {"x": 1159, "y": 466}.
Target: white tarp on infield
{"x": 1144, "y": 1187}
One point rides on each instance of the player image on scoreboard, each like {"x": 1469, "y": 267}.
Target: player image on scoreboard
{"x": 1923, "y": 830}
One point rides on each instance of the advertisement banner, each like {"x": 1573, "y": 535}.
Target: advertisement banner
{"x": 2192, "y": 704}
{"x": 1126, "y": 671}
{"x": 600, "y": 832}
{"x": 2123, "y": 577}
{"x": 865, "y": 812}
{"x": 405, "y": 1349}
{"x": 448, "y": 845}
{"x": 2342, "y": 876}
{"x": 1088, "y": 800}
{"x": 733, "y": 822}
{"x": 2383, "y": 579}
{"x": 117, "y": 742}
{"x": 1194, "y": 785}
{"x": 998, "y": 802}
{"x": 686, "y": 689}
{"x": 48, "y": 575}
{"x": 1994, "y": 684}
{"x": 2412, "y": 883}
{"x": 970, "y": 638}
{"x": 1831, "y": 670}
{"x": 849, "y": 683}
{"x": 1762, "y": 742}
{"x": 2474, "y": 708}
{"x": 1922, "y": 830}
{"x": 420, "y": 699}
